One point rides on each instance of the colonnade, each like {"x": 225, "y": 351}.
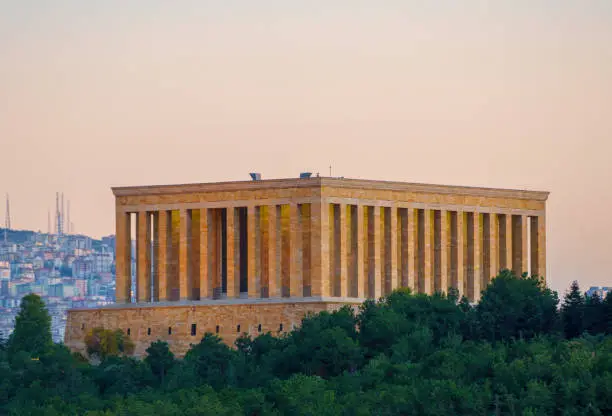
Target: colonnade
{"x": 320, "y": 249}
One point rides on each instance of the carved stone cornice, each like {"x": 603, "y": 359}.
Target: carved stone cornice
{"x": 322, "y": 182}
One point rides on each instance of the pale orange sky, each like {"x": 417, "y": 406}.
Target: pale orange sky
{"x": 513, "y": 94}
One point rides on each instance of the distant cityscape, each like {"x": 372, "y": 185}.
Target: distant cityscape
{"x": 67, "y": 271}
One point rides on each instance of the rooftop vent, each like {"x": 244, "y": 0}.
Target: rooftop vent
{"x": 255, "y": 176}
{"x": 305, "y": 175}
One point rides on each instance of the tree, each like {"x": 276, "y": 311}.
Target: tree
{"x": 608, "y": 312}
{"x": 304, "y": 395}
{"x": 32, "y": 333}
{"x": 594, "y": 314}
{"x": 160, "y": 359}
{"x": 572, "y": 312}
{"x": 384, "y": 323}
{"x": 513, "y": 307}
{"x": 325, "y": 344}
{"x": 103, "y": 343}
{"x": 211, "y": 360}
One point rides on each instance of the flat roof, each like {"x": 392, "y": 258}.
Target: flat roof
{"x": 331, "y": 182}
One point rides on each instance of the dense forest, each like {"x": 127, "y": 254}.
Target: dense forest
{"x": 518, "y": 351}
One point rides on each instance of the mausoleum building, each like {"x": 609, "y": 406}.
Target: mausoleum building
{"x": 255, "y": 256}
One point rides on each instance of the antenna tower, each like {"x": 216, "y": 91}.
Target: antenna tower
{"x": 58, "y": 215}
{"x": 62, "y": 216}
{"x": 7, "y": 219}
{"x": 68, "y": 227}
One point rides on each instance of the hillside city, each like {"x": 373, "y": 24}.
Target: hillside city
{"x": 67, "y": 271}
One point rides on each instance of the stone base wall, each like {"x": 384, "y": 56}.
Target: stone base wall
{"x": 173, "y": 323}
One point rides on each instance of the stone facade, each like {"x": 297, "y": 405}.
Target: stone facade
{"x": 174, "y": 322}
{"x": 266, "y": 251}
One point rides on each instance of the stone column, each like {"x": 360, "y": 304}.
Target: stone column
{"x": 444, "y": 250}
{"x": 493, "y": 251}
{"x": 162, "y": 256}
{"x": 413, "y": 250}
{"x": 123, "y": 250}
{"x": 320, "y": 276}
{"x": 264, "y": 251}
{"x": 233, "y": 278}
{"x": 185, "y": 284}
{"x": 306, "y": 249}
{"x": 403, "y": 274}
{"x": 285, "y": 249}
{"x": 334, "y": 251}
{"x": 477, "y": 261}
{"x": 205, "y": 266}
{"x": 254, "y": 290}
{"x": 519, "y": 244}
{"x": 429, "y": 252}
{"x": 538, "y": 246}
{"x": 362, "y": 253}
{"x": 524, "y": 243}
{"x": 214, "y": 251}
{"x": 509, "y": 242}
{"x": 193, "y": 256}
{"x": 542, "y": 246}
{"x": 143, "y": 250}
{"x": 273, "y": 286}
{"x": 173, "y": 280}
{"x": 393, "y": 247}
{"x": 378, "y": 246}
{"x": 295, "y": 257}
{"x": 461, "y": 253}
{"x": 155, "y": 256}
{"x": 343, "y": 236}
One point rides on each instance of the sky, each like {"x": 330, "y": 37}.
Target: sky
{"x": 511, "y": 94}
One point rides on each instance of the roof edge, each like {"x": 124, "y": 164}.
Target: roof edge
{"x": 329, "y": 182}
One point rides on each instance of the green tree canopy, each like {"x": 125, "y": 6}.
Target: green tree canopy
{"x": 607, "y": 314}
{"x": 32, "y": 333}
{"x": 572, "y": 312}
{"x": 103, "y": 343}
{"x": 160, "y": 359}
{"x": 211, "y": 360}
{"x": 516, "y": 307}
{"x": 402, "y": 355}
{"x": 594, "y": 314}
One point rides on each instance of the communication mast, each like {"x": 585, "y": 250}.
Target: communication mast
{"x": 58, "y": 216}
{"x": 62, "y": 216}
{"x": 7, "y": 219}
{"x": 68, "y": 227}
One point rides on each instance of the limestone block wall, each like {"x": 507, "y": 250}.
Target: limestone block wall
{"x": 174, "y": 323}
